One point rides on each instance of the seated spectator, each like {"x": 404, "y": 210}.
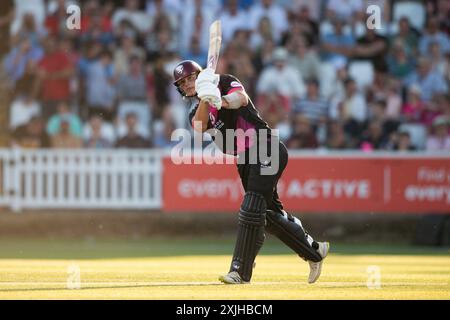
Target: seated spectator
{"x": 312, "y": 106}
{"x": 31, "y": 135}
{"x": 64, "y": 114}
{"x": 439, "y": 140}
{"x": 131, "y": 12}
{"x": 303, "y": 136}
{"x": 414, "y": 106}
{"x": 378, "y": 112}
{"x": 23, "y": 108}
{"x": 352, "y": 109}
{"x": 233, "y": 18}
{"x": 64, "y": 139}
{"x": 132, "y": 95}
{"x": 336, "y": 137}
{"x": 17, "y": 60}
{"x": 337, "y": 45}
{"x": 433, "y": 34}
{"x": 403, "y": 142}
{"x": 276, "y": 14}
{"x": 371, "y": 47}
{"x": 264, "y": 32}
{"x": 132, "y": 139}
{"x": 305, "y": 60}
{"x": 374, "y": 136}
{"x": 125, "y": 51}
{"x": 407, "y": 37}
{"x": 106, "y": 132}
{"x": 96, "y": 139}
{"x": 278, "y": 85}
{"x": 400, "y": 65}
{"x": 438, "y": 61}
{"x": 429, "y": 81}
{"x": 163, "y": 132}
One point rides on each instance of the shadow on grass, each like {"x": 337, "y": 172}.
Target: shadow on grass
{"x": 165, "y": 247}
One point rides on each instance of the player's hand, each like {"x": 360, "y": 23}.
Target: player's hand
{"x": 207, "y": 76}
{"x": 209, "y": 92}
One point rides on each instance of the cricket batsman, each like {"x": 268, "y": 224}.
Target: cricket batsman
{"x": 219, "y": 103}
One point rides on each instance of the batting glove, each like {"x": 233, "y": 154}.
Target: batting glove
{"x": 209, "y": 92}
{"x": 208, "y": 75}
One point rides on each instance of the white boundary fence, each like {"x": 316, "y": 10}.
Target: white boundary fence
{"x": 106, "y": 179}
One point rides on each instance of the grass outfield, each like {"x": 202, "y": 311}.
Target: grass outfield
{"x": 188, "y": 269}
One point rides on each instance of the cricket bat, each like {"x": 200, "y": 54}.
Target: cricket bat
{"x": 215, "y": 41}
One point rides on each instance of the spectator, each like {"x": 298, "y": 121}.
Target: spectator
{"x": 233, "y": 18}
{"x": 31, "y": 135}
{"x": 7, "y": 13}
{"x": 414, "y": 106}
{"x": 433, "y": 34}
{"x": 64, "y": 139}
{"x": 195, "y": 22}
{"x": 400, "y": 65}
{"x": 374, "y": 137}
{"x": 106, "y": 132}
{"x": 100, "y": 87}
{"x": 64, "y": 114}
{"x": 276, "y": 14}
{"x": 313, "y": 107}
{"x": 403, "y": 142}
{"x": 337, "y": 45}
{"x": 54, "y": 73}
{"x": 439, "y": 140}
{"x": 303, "y": 136}
{"x": 20, "y": 58}
{"x": 263, "y": 33}
{"x": 407, "y": 37}
{"x": 23, "y": 108}
{"x": 163, "y": 133}
{"x": 132, "y": 95}
{"x": 30, "y": 31}
{"x": 438, "y": 61}
{"x": 336, "y": 137}
{"x": 132, "y": 139}
{"x": 305, "y": 60}
{"x": 55, "y": 23}
{"x": 429, "y": 81}
{"x": 354, "y": 105}
{"x": 162, "y": 40}
{"x": 132, "y": 13}
{"x": 278, "y": 85}
{"x": 372, "y": 47}
{"x": 127, "y": 49}
{"x": 97, "y": 139}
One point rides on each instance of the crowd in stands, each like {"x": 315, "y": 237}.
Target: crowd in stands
{"x": 315, "y": 70}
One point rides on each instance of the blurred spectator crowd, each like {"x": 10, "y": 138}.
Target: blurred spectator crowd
{"x": 314, "y": 70}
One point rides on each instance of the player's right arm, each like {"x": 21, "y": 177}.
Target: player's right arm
{"x": 201, "y": 117}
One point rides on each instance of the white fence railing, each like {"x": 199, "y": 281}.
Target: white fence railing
{"x": 106, "y": 179}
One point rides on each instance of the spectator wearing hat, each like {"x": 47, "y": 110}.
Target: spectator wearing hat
{"x": 439, "y": 140}
{"x": 278, "y": 85}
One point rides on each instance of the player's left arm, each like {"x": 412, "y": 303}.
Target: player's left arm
{"x": 233, "y": 93}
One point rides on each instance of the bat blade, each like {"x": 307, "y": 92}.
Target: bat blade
{"x": 215, "y": 41}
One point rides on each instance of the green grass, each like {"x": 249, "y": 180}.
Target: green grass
{"x": 188, "y": 269}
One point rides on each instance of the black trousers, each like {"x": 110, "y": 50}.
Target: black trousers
{"x": 253, "y": 180}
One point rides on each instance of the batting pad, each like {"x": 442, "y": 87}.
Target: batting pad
{"x": 292, "y": 234}
{"x": 250, "y": 235}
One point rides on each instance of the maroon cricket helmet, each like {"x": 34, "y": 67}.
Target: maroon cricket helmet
{"x": 185, "y": 69}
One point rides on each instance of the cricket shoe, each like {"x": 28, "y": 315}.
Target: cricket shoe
{"x": 232, "y": 278}
{"x": 315, "y": 268}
